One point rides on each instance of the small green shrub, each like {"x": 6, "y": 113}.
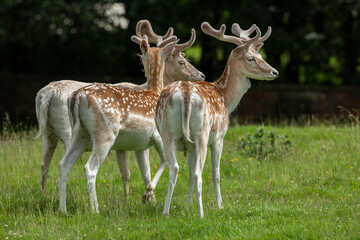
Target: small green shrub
{"x": 262, "y": 144}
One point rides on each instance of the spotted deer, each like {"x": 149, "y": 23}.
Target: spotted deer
{"x": 193, "y": 115}
{"x": 51, "y": 106}
{"x": 105, "y": 117}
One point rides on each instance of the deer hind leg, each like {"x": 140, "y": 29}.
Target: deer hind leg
{"x": 191, "y": 164}
{"x": 76, "y": 148}
{"x": 200, "y": 157}
{"x": 170, "y": 155}
{"x": 216, "y": 150}
{"x": 97, "y": 157}
{"x": 49, "y": 145}
{"x": 122, "y": 160}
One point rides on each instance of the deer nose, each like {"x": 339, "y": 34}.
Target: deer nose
{"x": 202, "y": 76}
{"x": 275, "y": 73}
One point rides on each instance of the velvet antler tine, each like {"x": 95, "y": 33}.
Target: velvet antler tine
{"x": 244, "y": 34}
{"x": 254, "y": 39}
{"x": 167, "y": 41}
{"x": 206, "y": 28}
{"x": 145, "y": 37}
{"x": 169, "y": 33}
{"x": 266, "y": 36}
{"x": 188, "y": 44}
{"x": 138, "y": 33}
{"x": 136, "y": 39}
{"x": 146, "y": 29}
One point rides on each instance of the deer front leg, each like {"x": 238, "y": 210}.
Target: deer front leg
{"x": 152, "y": 185}
{"x": 122, "y": 160}
{"x": 216, "y": 150}
{"x": 142, "y": 158}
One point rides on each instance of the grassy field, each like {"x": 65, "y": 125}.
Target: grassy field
{"x": 312, "y": 191}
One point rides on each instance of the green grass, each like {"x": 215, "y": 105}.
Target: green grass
{"x": 312, "y": 192}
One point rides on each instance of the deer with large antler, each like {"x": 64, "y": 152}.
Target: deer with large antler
{"x": 51, "y": 102}
{"x": 105, "y": 117}
{"x": 193, "y": 115}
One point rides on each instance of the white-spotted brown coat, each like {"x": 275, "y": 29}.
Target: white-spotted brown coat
{"x": 105, "y": 117}
{"x": 193, "y": 115}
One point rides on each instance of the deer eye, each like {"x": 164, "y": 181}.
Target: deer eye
{"x": 251, "y": 59}
{"x": 181, "y": 62}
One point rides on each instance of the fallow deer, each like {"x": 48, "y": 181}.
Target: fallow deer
{"x": 193, "y": 115}
{"x": 51, "y": 106}
{"x": 105, "y": 117}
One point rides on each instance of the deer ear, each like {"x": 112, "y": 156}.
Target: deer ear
{"x": 258, "y": 46}
{"x": 238, "y": 51}
{"x": 168, "y": 50}
{"x": 144, "y": 46}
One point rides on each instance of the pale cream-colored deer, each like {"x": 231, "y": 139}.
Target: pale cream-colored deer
{"x": 51, "y": 106}
{"x": 105, "y": 117}
{"x": 193, "y": 115}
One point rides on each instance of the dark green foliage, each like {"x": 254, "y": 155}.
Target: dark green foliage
{"x": 312, "y": 41}
{"x": 263, "y": 144}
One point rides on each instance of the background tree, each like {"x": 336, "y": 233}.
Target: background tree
{"x": 313, "y": 41}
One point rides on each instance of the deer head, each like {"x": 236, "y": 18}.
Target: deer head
{"x": 245, "y": 57}
{"x": 177, "y": 67}
{"x": 154, "y": 59}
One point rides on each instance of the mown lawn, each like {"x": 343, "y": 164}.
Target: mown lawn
{"x": 309, "y": 192}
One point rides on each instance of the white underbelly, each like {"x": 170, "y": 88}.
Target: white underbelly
{"x": 132, "y": 141}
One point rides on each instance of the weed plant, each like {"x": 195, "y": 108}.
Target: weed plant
{"x": 264, "y": 143}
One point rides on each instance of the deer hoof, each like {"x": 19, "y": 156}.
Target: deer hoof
{"x": 149, "y": 197}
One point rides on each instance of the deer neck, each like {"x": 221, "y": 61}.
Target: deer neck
{"x": 167, "y": 78}
{"x": 155, "y": 73}
{"x": 233, "y": 84}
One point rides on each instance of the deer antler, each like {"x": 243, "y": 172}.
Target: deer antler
{"x": 243, "y": 35}
{"x": 235, "y": 29}
{"x": 184, "y": 46}
{"x": 143, "y": 27}
{"x": 219, "y": 34}
{"x": 167, "y": 41}
{"x": 138, "y": 40}
{"x": 254, "y": 39}
{"x": 266, "y": 36}
{"x": 137, "y": 30}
